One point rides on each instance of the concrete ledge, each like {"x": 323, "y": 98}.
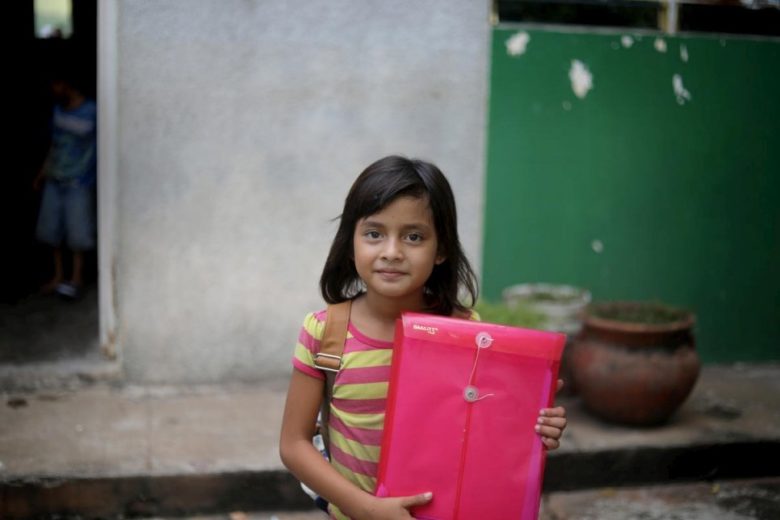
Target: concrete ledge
{"x": 755, "y": 499}
{"x": 70, "y": 374}
{"x": 653, "y": 465}
{"x": 149, "y": 496}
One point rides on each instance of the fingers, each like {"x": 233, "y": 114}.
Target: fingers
{"x": 416, "y": 500}
{"x": 550, "y": 432}
{"x": 558, "y": 411}
{"x": 559, "y": 423}
{"x": 551, "y": 421}
{"x": 550, "y": 426}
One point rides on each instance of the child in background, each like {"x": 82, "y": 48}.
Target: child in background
{"x": 68, "y": 175}
{"x": 396, "y": 249}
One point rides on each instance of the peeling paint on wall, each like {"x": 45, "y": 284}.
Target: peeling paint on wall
{"x": 679, "y": 90}
{"x": 626, "y": 41}
{"x": 684, "y": 53}
{"x": 516, "y": 45}
{"x": 581, "y": 78}
{"x": 660, "y": 45}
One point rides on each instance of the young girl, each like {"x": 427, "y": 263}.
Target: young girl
{"x": 396, "y": 249}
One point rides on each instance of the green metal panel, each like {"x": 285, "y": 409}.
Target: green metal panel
{"x": 682, "y": 195}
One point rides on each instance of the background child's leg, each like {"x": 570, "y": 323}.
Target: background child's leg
{"x": 50, "y": 230}
{"x": 80, "y": 227}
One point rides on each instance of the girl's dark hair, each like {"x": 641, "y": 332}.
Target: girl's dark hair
{"x": 374, "y": 189}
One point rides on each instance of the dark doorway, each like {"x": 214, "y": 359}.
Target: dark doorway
{"x": 36, "y": 327}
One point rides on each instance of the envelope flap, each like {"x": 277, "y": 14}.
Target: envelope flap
{"x": 466, "y": 334}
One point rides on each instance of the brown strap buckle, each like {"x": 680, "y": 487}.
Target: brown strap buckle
{"x": 327, "y": 362}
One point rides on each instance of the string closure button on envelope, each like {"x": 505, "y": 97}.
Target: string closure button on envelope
{"x": 471, "y": 394}
{"x": 484, "y": 340}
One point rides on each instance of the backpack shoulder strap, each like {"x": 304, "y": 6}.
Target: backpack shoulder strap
{"x": 333, "y": 337}
{"x": 329, "y": 357}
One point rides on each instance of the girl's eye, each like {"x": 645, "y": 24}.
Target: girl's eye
{"x": 373, "y": 235}
{"x": 414, "y": 237}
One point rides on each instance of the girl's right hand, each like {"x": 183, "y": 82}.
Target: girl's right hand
{"x": 396, "y": 507}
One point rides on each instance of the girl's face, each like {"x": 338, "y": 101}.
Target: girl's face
{"x": 396, "y": 249}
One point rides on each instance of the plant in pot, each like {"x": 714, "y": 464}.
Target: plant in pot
{"x": 515, "y": 316}
{"x": 559, "y": 305}
{"x": 560, "y": 308}
{"x": 635, "y": 362}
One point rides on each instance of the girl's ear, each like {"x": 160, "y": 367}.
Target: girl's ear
{"x": 440, "y": 259}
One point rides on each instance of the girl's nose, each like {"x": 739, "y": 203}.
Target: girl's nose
{"x": 392, "y": 249}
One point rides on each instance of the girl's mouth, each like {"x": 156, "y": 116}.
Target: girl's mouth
{"x": 390, "y": 274}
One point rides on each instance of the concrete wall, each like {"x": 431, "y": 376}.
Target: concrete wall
{"x": 241, "y": 125}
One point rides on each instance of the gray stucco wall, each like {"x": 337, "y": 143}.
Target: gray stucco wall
{"x": 241, "y": 125}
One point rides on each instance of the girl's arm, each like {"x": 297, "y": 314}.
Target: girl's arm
{"x": 307, "y": 464}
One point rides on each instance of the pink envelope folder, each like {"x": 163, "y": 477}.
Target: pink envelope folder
{"x": 463, "y": 400}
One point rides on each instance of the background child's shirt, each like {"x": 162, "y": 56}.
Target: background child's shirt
{"x": 74, "y": 144}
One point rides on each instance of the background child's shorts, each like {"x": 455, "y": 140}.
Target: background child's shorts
{"x": 67, "y": 215}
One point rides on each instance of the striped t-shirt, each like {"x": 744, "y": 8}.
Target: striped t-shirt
{"x": 357, "y": 408}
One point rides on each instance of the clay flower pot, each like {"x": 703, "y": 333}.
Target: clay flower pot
{"x": 635, "y": 362}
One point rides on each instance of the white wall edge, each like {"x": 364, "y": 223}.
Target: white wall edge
{"x": 107, "y": 140}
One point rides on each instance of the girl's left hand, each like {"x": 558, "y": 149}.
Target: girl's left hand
{"x": 551, "y": 423}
